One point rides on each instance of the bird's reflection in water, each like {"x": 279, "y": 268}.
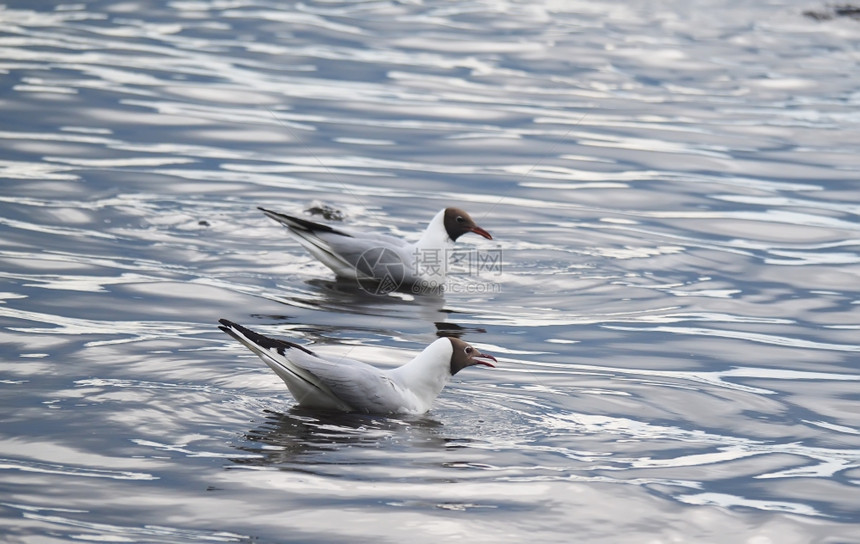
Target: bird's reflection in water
{"x": 392, "y": 312}
{"x": 302, "y": 436}
{"x": 364, "y": 298}
{"x": 348, "y": 297}
{"x": 456, "y": 331}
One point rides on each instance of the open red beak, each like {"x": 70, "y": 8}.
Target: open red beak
{"x": 478, "y": 230}
{"x": 480, "y": 356}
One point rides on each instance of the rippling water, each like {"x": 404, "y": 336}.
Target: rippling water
{"x": 673, "y": 188}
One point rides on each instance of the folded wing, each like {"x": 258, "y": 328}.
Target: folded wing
{"x": 342, "y": 384}
{"x": 350, "y": 253}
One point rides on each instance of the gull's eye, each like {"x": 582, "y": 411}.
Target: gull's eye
{"x": 460, "y": 219}
{"x": 468, "y": 349}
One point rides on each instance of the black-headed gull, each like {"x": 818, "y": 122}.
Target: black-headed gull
{"x": 353, "y": 386}
{"x": 355, "y": 254}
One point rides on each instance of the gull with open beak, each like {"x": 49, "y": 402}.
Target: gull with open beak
{"x": 353, "y": 386}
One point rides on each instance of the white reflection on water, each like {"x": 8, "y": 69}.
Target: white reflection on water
{"x": 673, "y": 190}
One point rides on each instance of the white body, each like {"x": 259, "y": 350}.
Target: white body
{"x": 349, "y": 385}
{"x": 354, "y": 254}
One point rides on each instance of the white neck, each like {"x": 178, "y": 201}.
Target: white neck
{"x": 435, "y": 237}
{"x": 426, "y": 375}
{"x": 432, "y": 250}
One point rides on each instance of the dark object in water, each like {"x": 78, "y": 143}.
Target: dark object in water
{"x": 832, "y": 12}
{"x": 452, "y": 329}
{"x": 332, "y": 214}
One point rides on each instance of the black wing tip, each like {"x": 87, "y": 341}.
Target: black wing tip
{"x": 297, "y": 346}
{"x": 261, "y": 340}
{"x": 298, "y": 223}
{"x": 230, "y": 327}
{"x": 277, "y": 216}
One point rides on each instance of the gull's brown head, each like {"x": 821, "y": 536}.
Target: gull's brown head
{"x": 465, "y": 355}
{"x": 458, "y": 223}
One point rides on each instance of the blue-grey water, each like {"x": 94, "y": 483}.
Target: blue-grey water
{"x": 672, "y": 188}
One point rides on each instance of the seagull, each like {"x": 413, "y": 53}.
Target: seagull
{"x": 354, "y": 254}
{"x": 348, "y": 385}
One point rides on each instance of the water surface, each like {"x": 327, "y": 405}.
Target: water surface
{"x": 673, "y": 190}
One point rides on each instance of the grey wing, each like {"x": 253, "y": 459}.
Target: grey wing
{"x": 279, "y": 355}
{"x": 364, "y": 387}
{"x": 349, "y": 252}
{"x": 372, "y": 255}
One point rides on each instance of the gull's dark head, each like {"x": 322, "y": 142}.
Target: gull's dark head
{"x": 465, "y": 355}
{"x": 458, "y": 223}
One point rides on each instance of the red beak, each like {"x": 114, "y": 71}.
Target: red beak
{"x": 485, "y": 356}
{"x": 478, "y": 230}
